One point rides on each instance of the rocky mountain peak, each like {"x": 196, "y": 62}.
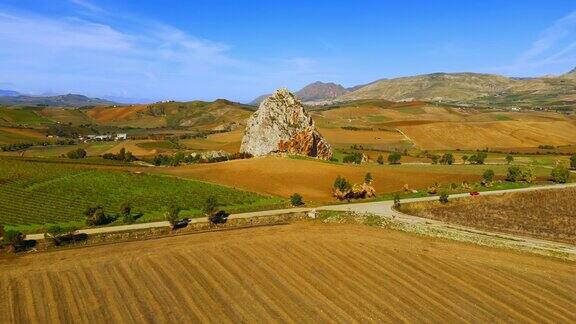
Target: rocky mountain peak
{"x": 282, "y": 125}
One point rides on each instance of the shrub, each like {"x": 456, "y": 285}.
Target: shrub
{"x": 573, "y": 161}
{"x": 447, "y": 158}
{"x": 509, "y": 158}
{"x": 488, "y": 176}
{"x": 95, "y": 216}
{"x": 1, "y": 231}
{"x": 528, "y": 174}
{"x": 560, "y": 174}
{"x": 123, "y": 155}
{"x": 296, "y": 199}
{"x": 514, "y": 173}
{"x": 172, "y": 213}
{"x": 78, "y": 153}
{"x": 443, "y": 197}
{"x": 355, "y": 157}
{"x": 434, "y": 157}
{"x": 394, "y": 158}
{"x": 368, "y": 178}
{"x": 396, "y": 200}
{"x": 126, "y": 213}
{"x": 341, "y": 184}
{"x": 210, "y": 205}
{"x": 464, "y": 158}
{"x": 380, "y": 159}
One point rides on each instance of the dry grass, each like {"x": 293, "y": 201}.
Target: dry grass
{"x": 547, "y": 214}
{"x": 300, "y": 273}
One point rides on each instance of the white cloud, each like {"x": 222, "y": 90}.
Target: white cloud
{"x": 87, "y": 5}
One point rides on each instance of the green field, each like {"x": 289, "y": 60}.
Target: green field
{"x": 34, "y": 193}
{"x": 21, "y": 116}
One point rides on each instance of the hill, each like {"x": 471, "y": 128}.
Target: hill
{"x": 474, "y": 89}
{"x": 69, "y": 100}
{"x": 316, "y": 91}
{"x": 8, "y": 93}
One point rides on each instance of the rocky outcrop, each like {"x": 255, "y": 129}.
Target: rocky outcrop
{"x": 281, "y": 125}
{"x": 357, "y": 191}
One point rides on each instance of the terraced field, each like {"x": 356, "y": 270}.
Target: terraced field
{"x": 300, "y": 273}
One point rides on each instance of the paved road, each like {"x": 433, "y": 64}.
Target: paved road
{"x": 383, "y": 209}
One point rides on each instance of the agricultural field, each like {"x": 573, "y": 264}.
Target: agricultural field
{"x": 313, "y": 179}
{"x": 22, "y": 117}
{"x": 303, "y": 272}
{"x": 33, "y": 193}
{"x": 546, "y": 214}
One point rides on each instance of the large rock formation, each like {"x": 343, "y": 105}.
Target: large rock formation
{"x": 281, "y": 125}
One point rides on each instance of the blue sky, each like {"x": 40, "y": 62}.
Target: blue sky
{"x": 237, "y": 50}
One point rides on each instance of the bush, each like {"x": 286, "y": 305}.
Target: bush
{"x": 396, "y": 200}
{"x": 509, "y": 158}
{"x": 528, "y": 174}
{"x": 573, "y": 161}
{"x": 368, "y": 178}
{"x": 380, "y": 159}
{"x": 516, "y": 173}
{"x": 464, "y": 158}
{"x": 447, "y": 158}
{"x": 78, "y": 153}
{"x": 95, "y": 216}
{"x": 560, "y": 174}
{"x": 123, "y": 155}
{"x": 296, "y": 199}
{"x": 394, "y": 158}
{"x": 210, "y": 205}
{"x": 488, "y": 176}
{"x": 126, "y": 213}
{"x": 355, "y": 157}
{"x": 172, "y": 213}
{"x": 434, "y": 157}
{"x": 443, "y": 197}
{"x": 12, "y": 238}
{"x": 341, "y": 184}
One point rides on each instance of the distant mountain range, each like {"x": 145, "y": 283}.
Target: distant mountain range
{"x": 11, "y": 98}
{"x": 464, "y": 89}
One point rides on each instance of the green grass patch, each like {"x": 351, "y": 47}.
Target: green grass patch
{"x": 22, "y": 116}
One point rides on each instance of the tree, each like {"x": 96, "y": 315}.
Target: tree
{"x": 126, "y": 213}
{"x": 1, "y": 231}
{"x": 464, "y": 158}
{"x": 434, "y": 158}
{"x": 78, "y": 153}
{"x": 447, "y": 158}
{"x": 368, "y": 178}
{"x": 509, "y": 158}
{"x": 488, "y": 176}
{"x": 380, "y": 159}
{"x": 355, "y": 157}
{"x": 172, "y": 213}
{"x": 478, "y": 158}
{"x": 95, "y": 216}
{"x": 560, "y": 174}
{"x": 443, "y": 197}
{"x": 296, "y": 199}
{"x": 528, "y": 174}
{"x": 210, "y": 205}
{"x": 573, "y": 161}
{"x": 341, "y": 184}
{"x": 394, "y": 158}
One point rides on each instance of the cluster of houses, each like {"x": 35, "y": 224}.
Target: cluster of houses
{"x": 107, "y": 137}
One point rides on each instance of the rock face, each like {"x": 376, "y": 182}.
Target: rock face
{"x": 281, "y": 125}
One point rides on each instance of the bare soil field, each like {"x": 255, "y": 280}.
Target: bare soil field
{"x": 450, "y": 136}
{"x": 343, "y": 138}
{"x": 546, "y": 214}
{"x": 314, "y": 179}
{"x": 293, "y": 273}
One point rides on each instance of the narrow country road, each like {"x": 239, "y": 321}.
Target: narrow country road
{"x": 384, "y": 209}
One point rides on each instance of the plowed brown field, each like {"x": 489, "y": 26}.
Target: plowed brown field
{"x": 294, "y": 273}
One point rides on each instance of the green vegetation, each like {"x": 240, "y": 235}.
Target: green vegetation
{"x": 341, "y": 184}
{"x": 488, "y": 176}
{"x": 61, "y": 192}
{"x": 447, "y": 158}
{"x": 573, "y": 161}
{"x": 172, "y": 213}
{"x": 443, "y": 197}
{"x": 78, "y": 153}
{"x": 478, "y": 158}
{"x": 296, "y": 200}
{"x": 394, "y": 158}
{"x": 517, "y": 173}
{"x": 354, "y": 157}
{"x": 368, "y": 178}
{"x": 560, "y": 174}
{"x": 21, "y": 116}
{"x": 123, "y": 156}
{"x": 509, "y": 158}
{"x": 380, "y": 159}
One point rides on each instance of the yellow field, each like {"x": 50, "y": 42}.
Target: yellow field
{"x": 294, "y": 273}
{"x": 314, "y": 179}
